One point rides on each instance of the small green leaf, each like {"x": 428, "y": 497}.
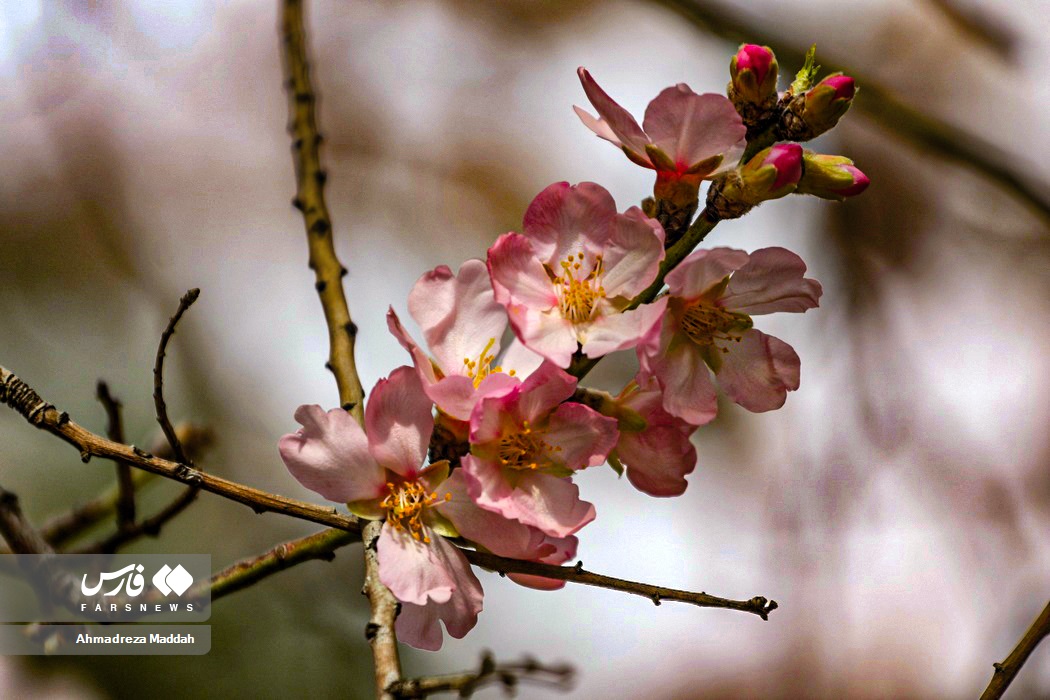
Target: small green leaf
{"x": 807, "y": 75}
{"x": 616, "y": 464}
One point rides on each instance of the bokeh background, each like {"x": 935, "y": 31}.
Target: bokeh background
{"x": 897, "y": 508}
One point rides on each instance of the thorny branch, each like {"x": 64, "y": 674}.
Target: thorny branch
{"x": 342, "y": 331}
{"x": 91, "y": 445}
{"x": 158, "y": 378}
{"x": 1006, "y": 671}
{"x": 509, "y": 675}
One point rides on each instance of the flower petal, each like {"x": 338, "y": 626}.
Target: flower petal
{"x": 542, "y": 391}
{"x": 458, "y": 314}
{"x": 566, "y": 219}
{"x": 549, "y": 503}
{"x": 419, "y": 358}
{"x": 564, "y": 550}
{"x": 517, "y": 273}
{"x": 758, "y": 372}
{"x": 399, "y": 422}
{"x": 690, "y": 127}
{"x": 623, "y": 330}
{"x": 329, "y": 455}
{"x": 657, "y": 460}
{"x": 414, "y": 571}
{"x": 633, "y": 254}
{"x": 683, "y": 375}
{"x": 547, "y": 333}
{"x": 702, "y": 270}
{"x": 616, "y": 118}
{"x": 772, "y": 280}
{"x": 520, "y": 359}
{"x": 584, "y": 436}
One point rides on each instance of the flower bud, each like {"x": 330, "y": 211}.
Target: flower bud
{"x": 830, "y": 177}
{"x": 818, "y": 109}
{"x": 770, "y": 174}
{"x": 754, "y": 73}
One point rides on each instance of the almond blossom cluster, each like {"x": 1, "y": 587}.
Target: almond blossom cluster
{"x": 483, "y": 435}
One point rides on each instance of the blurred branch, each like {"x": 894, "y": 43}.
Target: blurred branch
{"x": 309, "y": 199}
{"x": 16, "y": 530}
{"x": 125, "y": 505}
{"x": 158, "y": 378}
{"x": 149, "y": 527}
{"x": 380, "y": 631}
{"x": 245, "y": 573}
{"x": 17, "y": 394}
{"x": 1006, "y": 671}
{"x": 880, "y": 104}
{"x": 508, "y": 675}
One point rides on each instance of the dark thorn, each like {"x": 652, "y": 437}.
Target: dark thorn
{"x": 321, "y": 286}
{"x": 579, "y": 566}
{"x": 259, "y": 510}
{"x": 304, "y": 97}
{"x": 318, "y": 138}
{"x": 397, "y": 609}
{"x": 320, "y": 227}
{"x": 298, "y": 203}
{"x": 297, "y": 143}
{"x": 351, "y": 329}
{"x": 371, "y": 630}
{"x": 372, "y": 544}
{"x": 502, "y": 574}
{"x": 85, "y": 456}
{"x": 344, "y": 272}
{"x": 656, "y": 598}
{"x": 998, "y": 667}
{"x": 321, "y": 177}
{"x": 63, "y": 418}
{"x": 328, "y": 366}
{"x": 349, "y": 406}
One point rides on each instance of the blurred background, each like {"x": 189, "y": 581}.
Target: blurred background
{"x": 897, "y": 507}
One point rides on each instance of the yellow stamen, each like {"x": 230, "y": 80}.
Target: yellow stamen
{"x": 704, "y": 324}
{"x": 404, "y": 506}
{"x": 482, "y": 367}
{"x": 578, "y": 295}
{"x": 526, "y": 449}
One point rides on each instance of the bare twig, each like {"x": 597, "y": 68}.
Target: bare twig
{"x": 380, "y": 628}
{"x": 158, "y": 378}
{"x": 125, "y": 482}
{"x": 150, "y": 527}
{"x": 509, "y": 675}
{"x": 880, "y": 104}
{"x": 1006, "y": 671}
{"x": 48, "y": 418}
{"x": 245, "y": 573}
{"x": 309, "y": 199}
{"x": 16, "y": 530}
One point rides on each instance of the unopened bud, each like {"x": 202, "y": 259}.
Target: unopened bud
{"x": 770, "y": 174}
{"x": 753, "y": 88}
{"x": 830, "y": 177}
{"x": 827, "y": 101}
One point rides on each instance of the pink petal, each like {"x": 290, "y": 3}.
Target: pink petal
{"x": 772, "y": 280}
{"x": 617, "y": 119}
{"x": 599, "y": 126}
{"x": 457, "y": 396}
{"x": 399, "y": 422}
{"x": 564, "y": 550}
{"x": 419, "y": 626}
{"x": 329, "y": 455}
{"x": 419, "y": 358}
{"x": 583, "y": 435}
{"x": 549, "y": 503}
{"x": 759, "y": 371}
{"x": 690, "y": 127}
{"x": 542, "y": 391}
{"x": 633, "y": 254}
{"x": 702, "y": 270}
{"x": 657, "y": 460}
{"x": 620, "y": 331}
{"x": 679, "y": 366}
{"x": 546, "y": 333}
{"x": 566, "y": 219}
{"x": 413, "y": 570}
{"x": 519, "y": 358}
{"x": 517, "y": 274}
{"x": 458, "y": 314}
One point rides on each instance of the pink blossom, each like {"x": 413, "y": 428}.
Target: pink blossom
{"x": 567, "y": 281}
{"x": 713, "y": 295}
{"x": 685, "y": 136}
{"x": 462, "y": 324}
{"x": 658, "y": 457}
{"x": 379, "y": 475}
{"x": 526, "y": 444}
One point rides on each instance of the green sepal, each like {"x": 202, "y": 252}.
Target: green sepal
{"x": 440, "y": 524}
{"x": 614, "y": 462}
{"x": 368, "y": 509}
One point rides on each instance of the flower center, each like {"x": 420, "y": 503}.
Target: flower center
{"x": 404, "y": 507}
{"x": 525, "y": 449}
{"x": 705, "y": 324}
{"x": 482, "y": 367}
{"x": 578, "y": 291}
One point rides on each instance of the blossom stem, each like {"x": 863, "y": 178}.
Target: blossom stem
{"x": 1006, "y": 671}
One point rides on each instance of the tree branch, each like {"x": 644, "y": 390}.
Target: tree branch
{"x": 509, "y": 675}
{"x": 16, "y": 530}
{"x": 380, "y": 629}
{"x": 48, "y": 418}
{"x": 158, "y": 378}
{"x": 881, "y": 105}
{"x": 125, "y": 505}
{"x": 309, "y": 199}
{"x": 1006, "y": 671}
